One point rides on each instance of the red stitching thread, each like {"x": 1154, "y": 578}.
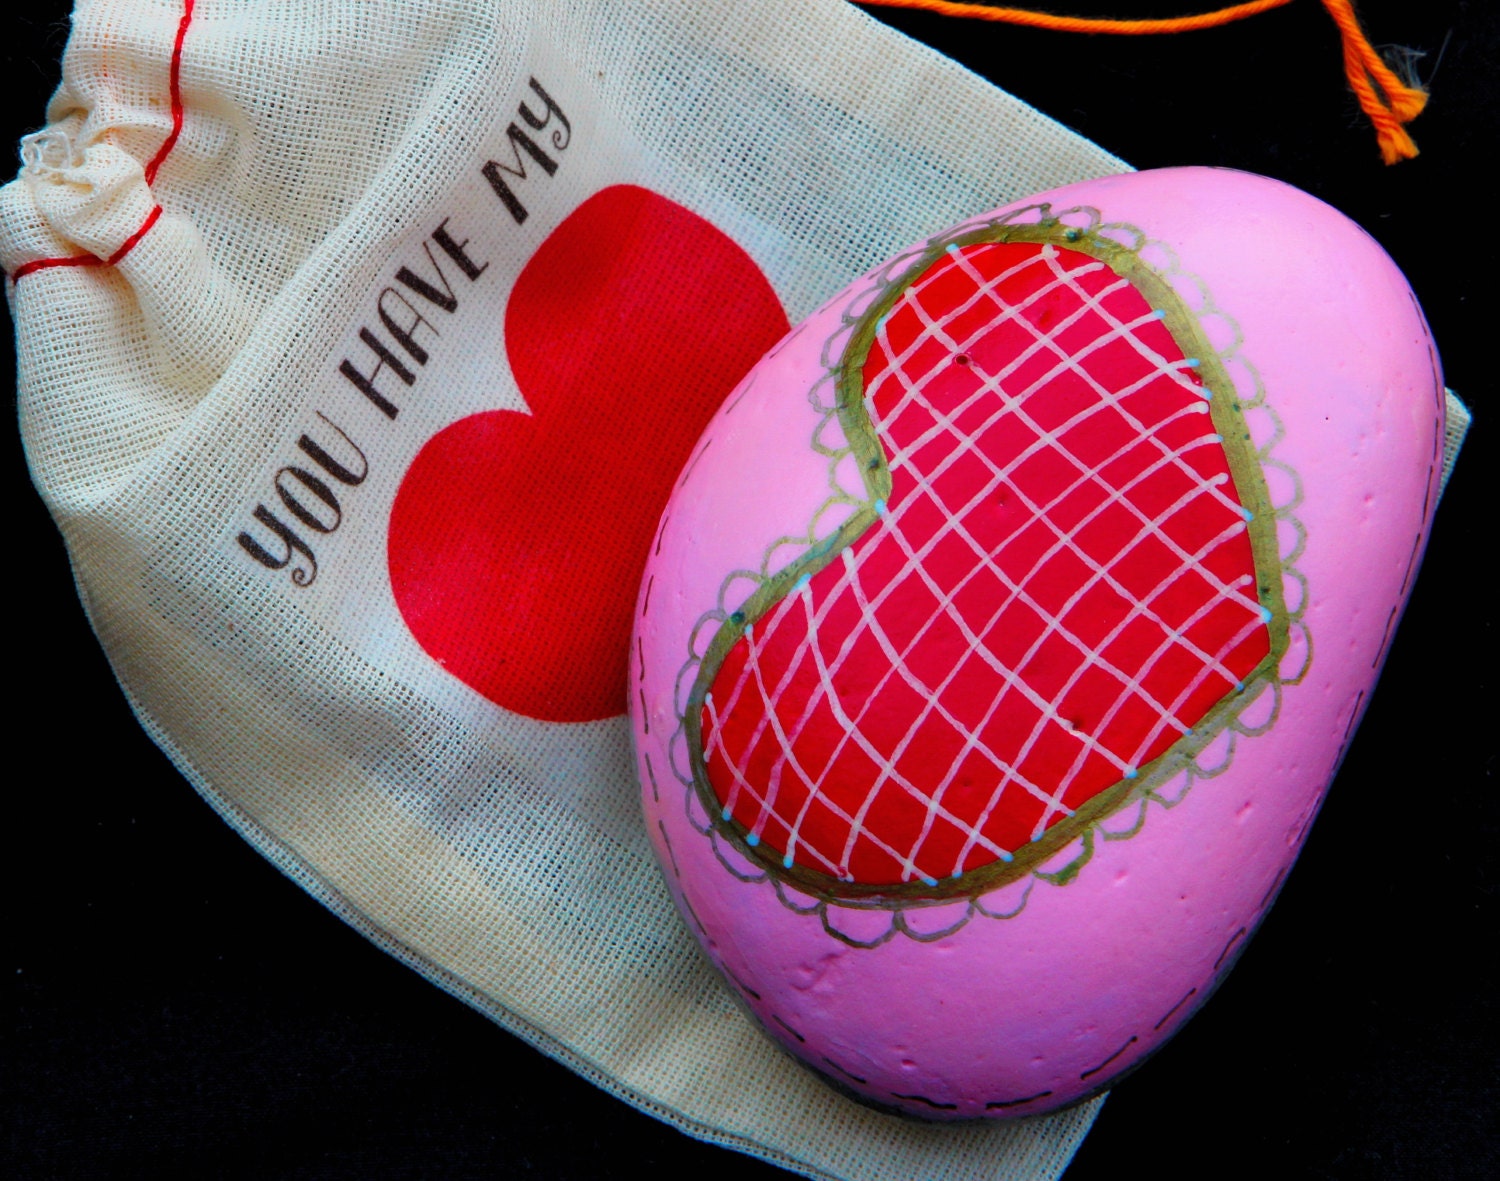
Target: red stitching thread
{"x": 175, "y": 86}
{"x": 89, "y": 260}
{"x": 176, "y": 91}
{"x": 41, "y": 264}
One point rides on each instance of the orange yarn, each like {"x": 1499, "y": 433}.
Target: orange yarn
{"x": 1085, "y": 24}
{"x": 1385, "y": 99}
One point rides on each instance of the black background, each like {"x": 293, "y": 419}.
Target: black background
{"x": 176, "y": 1007}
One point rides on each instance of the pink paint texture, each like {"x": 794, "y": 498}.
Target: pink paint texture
{"x": 1088, "y": 977}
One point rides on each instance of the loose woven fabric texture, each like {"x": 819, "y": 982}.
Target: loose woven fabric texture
{"x": 358, "y": 345}
{"x": 267, "y": 270}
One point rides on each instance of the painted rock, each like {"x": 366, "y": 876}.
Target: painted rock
{"x": 1009, "y": 622}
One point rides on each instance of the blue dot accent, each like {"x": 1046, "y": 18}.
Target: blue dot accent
{"x": 1239, "y": 686}
{"x": 752, "y": 840}
{"x": 725, "y": 815}
{"x": 929, "y": 881}
{"x": 1249, "y": 516}
{"x": 1215, "y": 438}
{"x": 787, "y": 861}
{"x": 1131, "y": 772}
{"x": 1265, "y": 615}
{"x": 1191, "y": 362}
{"x": 1159, "y": 314}
{"x": 957, "y": 873}
{"x": 953, "y": 249}
{"x": 880, "y": 508}
{"x": 801, "y": 582}
{"x": 1004, "y": 856}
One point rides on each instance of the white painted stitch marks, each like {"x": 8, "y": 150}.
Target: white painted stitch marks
{"x": 1051, "y": 585}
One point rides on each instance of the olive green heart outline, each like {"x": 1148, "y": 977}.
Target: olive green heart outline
{"x": 1119, "y": 247}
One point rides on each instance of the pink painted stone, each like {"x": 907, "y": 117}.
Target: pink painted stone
{"x": 973, "y": 846}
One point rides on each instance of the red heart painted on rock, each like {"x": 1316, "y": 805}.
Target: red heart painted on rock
{"x": 517, "y": 540}
{"x": 1059, "y": 590}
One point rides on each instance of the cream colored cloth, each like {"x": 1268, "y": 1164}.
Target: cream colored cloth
{"x": 167, "y": 377}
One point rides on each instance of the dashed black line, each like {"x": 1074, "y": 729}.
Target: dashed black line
{"x": 1275, "y": 885}
{"x": 1002, "y": 1104}
{"x": 1353, "y": 719}
{"x": 933, "y": 1103}
{"x": 1416, "y": 548}
{"x": 1233, "y": 939}
{"x": 788, "y": 1028}
{"x": 692, "y": 463}
{"x": 651, "y": 776}
{"x": 1191, "y": 993}
{"x": 843, "y": 1071}
{"x": 1385, "y": 639}
{"x": 672, "y": 857}
{"x": 1096, "y": 1069}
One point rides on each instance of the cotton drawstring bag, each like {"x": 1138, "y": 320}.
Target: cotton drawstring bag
{"x": 358, "y": 345}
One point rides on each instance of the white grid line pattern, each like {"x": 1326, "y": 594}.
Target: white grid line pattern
{"x": 917, "y": 408}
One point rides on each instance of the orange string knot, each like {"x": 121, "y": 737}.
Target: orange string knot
{"x": 1387, "y": 101}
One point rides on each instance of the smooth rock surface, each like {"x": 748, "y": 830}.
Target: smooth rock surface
{"x": 1011, "y": 972}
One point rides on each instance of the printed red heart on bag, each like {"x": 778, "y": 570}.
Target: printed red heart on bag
{"x": 517, "y": 540}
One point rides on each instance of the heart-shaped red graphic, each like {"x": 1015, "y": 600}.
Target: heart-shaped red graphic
{"x": 517, "y": 540}
{"x": 1061, "y": 587}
